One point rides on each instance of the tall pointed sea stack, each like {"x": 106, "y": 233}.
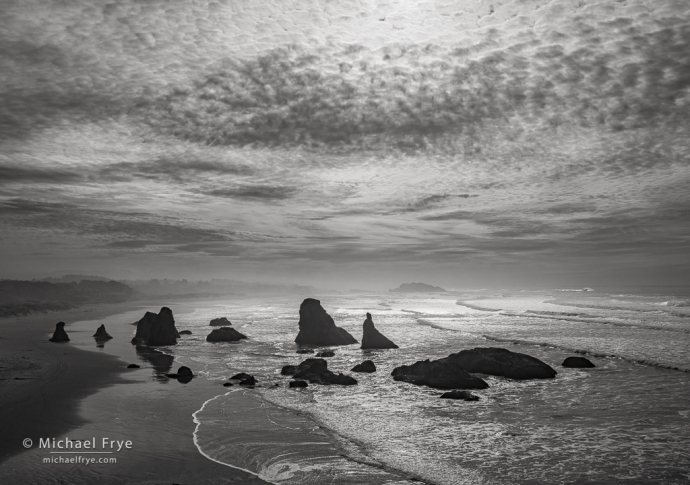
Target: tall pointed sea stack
{"x": 157, "y": 329}
{"x": 101, "y": 333}
{"x": 316, "y": 327}
{"x": 373, "y": 339}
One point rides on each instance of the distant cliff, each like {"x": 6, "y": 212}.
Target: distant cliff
{"x": 23, "y": 297}
{"x": 417, "y": 288}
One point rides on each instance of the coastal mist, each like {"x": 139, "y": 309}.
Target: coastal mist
{"x": 624, "y": 421}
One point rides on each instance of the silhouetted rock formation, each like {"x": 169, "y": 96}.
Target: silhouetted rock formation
{"x": 241, "y": 376}
{"x": 500, "y": 362}
{"x": 185, "y": 332}
{"x": 578, "y": 363}
{"x": 101, "y": 334}
{"x": 305, "y": 351}
{"x": 155, "y": 329}
{"x": 249, "y": 381}
{"x": 220, "y": 322}
{"x": 464, "y": 395}
{"x": 184, "y": 375}
{"x": 59, "y": 335}
{"x": 373, "y": 339}
{"x": 316, "y": 372}
{"x": 316, "y": 327}
{"x": 366, "y": 366}
{"x": 227, "y": 384}
{"x": 288, "y": 370}
{"x": 418, "y": 288}
{"x": 133, "y": 366}
{"x": 437, "y": 374}
{"x": 327, "y": 353}
{"x": 225, "y": 334}
{"x": 298, "y": 383}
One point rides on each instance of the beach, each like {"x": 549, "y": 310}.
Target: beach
{"x": 43, "y": 389}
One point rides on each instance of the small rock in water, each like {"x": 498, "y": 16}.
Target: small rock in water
{"x": 220, "y": 322}
{"x": 366, "y": 366}
{"x": 464, "y": 395}
{"x": 249, "y": 381}
{"x": 288, "y": 370}
{"x": 225, "y": 334}
{"x": 227, "y": 384}
{"x": 185, "y": 332}
{"x": 133, "y": 366}
{"x": 577, "y": 362}
{"x": 328, "y": 353}
{"x": 298, "y": 383}
{"x": 305, "y": 351}
{"x": 241, "y": 376}
{"x": 184, "y": 371}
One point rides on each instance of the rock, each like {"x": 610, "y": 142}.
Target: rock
{"x": 157, "y": 329}
{"x": 185, "y": 371}
{"x": 437, "y": 374}
{"x": 366, "y": 366}
{"x": 220, "y": 322}
{"x": 316, "y": 372}
{"x": 144, "y": 328}
{"x": 464, "y": 395}
{"x": 241, "y": 376}
{"x": 288, "y": 370}
{"x": 316, "y": 327}
{"x": 249, "y": 381}
{"x": 577, "y": 362}
{"x": 328, "y": 353}
{"x": 101, "y": 334}
{"x": 185, "y": 332}
{"x": 227, "y": 384}
{"x": 225, "y": 334}
{"x": 305, "y": 351}
{"x": 500, "y": 362}
{"x": 298, "y": 383}
{"x": 417, "y": 288}
{"x": 59, "y": 335}
{"x": 373, "y": 339}
{"x": 133, "y": 366}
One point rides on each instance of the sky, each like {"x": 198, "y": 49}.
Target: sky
{"x": 348, "y": 144}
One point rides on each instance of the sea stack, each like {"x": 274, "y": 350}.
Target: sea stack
{"x": 158, "y": 329}
{"x": 220, "y": 322}
{"x": 59, "y": 335}
{"x": 225, "y": 334}
{"x": 316, "y": 327}
{"x": 101, "y": 334}
{"x": 373, "y": 339}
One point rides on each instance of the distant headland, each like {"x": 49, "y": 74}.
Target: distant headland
{"x": 417, "y": 288}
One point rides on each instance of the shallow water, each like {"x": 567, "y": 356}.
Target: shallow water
{"x": 625, "y": 421}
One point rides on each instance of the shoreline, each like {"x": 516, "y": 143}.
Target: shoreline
{"x": 65, "y": 390}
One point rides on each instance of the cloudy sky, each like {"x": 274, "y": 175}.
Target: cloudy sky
{"x": 349, "y": 143}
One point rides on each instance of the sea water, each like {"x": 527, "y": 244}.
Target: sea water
{"x": 625, "y": 421}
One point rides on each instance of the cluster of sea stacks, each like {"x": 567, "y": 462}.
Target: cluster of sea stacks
{"x": 316, "y": 329}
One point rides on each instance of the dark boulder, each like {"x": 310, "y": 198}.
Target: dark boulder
{"x": 59, "y": 335}
{"x": 500, "y": 362}
{"x": 241, "y": 376}
{"x": 225, "y": 334}
{"x": 437, "y": 374}
{"x": 185, "y": 332}
{"x": 305, "y": 351}
{"x": 578, "y": 363}
{"x": 316, "y": 327}
{"x": 328, "y": 353}
{"x": 298, "y": 384}
{"x": 157, "y": 329}
{"x": 133, "y": 366}
{"x": 366, "y": 366}
{"x": 288, "y": 370}
{"x": 249, "y": 381}
{"x": 185, "y": 371}
{"x": 220, "y": 322}
{"x": 464, "y": 395}
{"x": 101, "y": 334}
{"x": 373, "y": 339}
{"x": 316, "y": 372}
{"x": 227, "y": 384}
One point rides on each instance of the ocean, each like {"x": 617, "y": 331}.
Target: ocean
{"x": 625, "y": 421}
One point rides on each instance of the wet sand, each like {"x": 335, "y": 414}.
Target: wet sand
{"x": 51, "y": 390}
